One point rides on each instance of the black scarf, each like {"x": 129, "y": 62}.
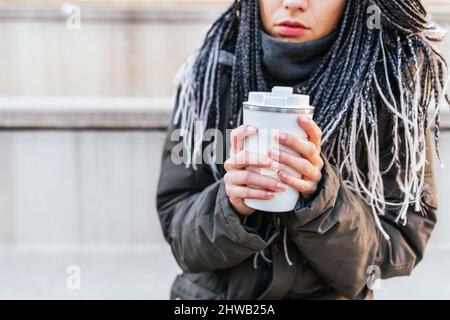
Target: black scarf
{"x": 291, "y": 63}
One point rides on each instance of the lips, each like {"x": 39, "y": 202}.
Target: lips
{"x": 291, "y": 28}
{"x": 292, "y": 24}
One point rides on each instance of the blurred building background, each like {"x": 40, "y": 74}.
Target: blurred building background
{"x": 85, "y": 94}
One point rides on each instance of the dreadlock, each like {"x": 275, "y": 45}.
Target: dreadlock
{"x": 396, "y": 64}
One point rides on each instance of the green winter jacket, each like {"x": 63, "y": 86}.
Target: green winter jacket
{"x": 332, "y": 240}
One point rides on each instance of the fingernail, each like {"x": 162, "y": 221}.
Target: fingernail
{"x": 251, "y": 130}
{"x": 270, "y": 194}
{"x": 274, "y": 154}
{"x": 281, "y": 186}
{"x": 304, "y": 120}
{"x": 276, "y": 166}
{"x": 282, "y": 174}
{"x": 281, "y": 136}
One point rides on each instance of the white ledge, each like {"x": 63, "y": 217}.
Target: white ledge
{"x": 84, "y": 113}
{"x": 121, "y": 11}
{"x": 98, "y": 113}
{"x": 153, "y": 11}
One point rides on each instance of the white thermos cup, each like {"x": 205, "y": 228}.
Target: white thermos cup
{"x": 273, "y": 112}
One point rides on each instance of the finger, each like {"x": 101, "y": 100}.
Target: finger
{"x": 238, "y": 136}
{"x": 243, "y": 159}
{"x": 304, "y": 147}
{"x": 248, "y": 178}
{"x": 301, "y": 185}
{"x": 240, "y": 192}
{"x": 312, "y": 130}
{"x": 301, "y": 165}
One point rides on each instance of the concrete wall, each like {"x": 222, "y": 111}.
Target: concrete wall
{"x": 120, "y": 50}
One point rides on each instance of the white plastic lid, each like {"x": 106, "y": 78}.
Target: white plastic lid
{"x": 282, "y": 97}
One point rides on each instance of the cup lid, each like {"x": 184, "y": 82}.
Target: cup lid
{"x": 282, "y": 98}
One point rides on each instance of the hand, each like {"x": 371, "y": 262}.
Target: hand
{"x": 238, "y": 178}
{"x": 309, "y": 165}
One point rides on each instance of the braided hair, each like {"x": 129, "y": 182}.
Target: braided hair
{"x": 396, "y": 65}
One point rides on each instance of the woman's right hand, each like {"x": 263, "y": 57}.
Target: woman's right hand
{"x": 237, "y": 177}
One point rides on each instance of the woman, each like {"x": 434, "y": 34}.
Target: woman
{"x": 368, "y": 203}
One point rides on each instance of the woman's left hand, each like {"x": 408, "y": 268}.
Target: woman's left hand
{"x": 309, "y": 166}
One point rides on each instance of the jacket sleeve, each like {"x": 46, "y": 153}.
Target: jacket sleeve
{"x": 337, "y": 234}
{"x": 198, "y": 220}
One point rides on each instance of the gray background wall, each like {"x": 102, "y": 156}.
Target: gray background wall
{"x": 82, "y": 115}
